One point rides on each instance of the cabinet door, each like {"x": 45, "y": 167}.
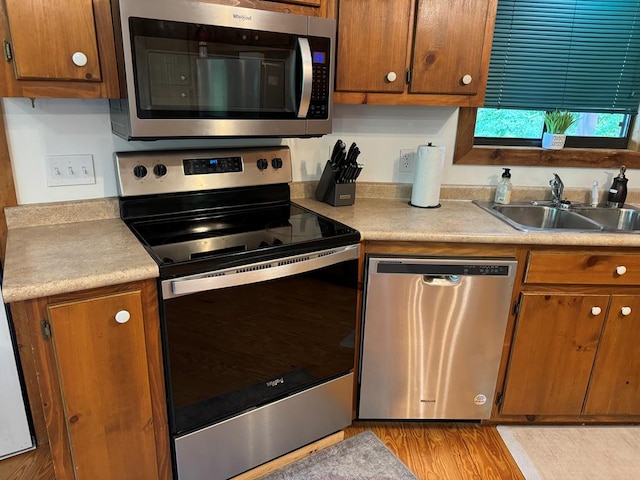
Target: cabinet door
{"x": 373, "y": 38}
{"x": 615, "y": 383}
{"x": 103, "y": 373}
{"x": 552, "y": 354}
{"x": 46, "y": 35}
{"x": 448, "y": 44}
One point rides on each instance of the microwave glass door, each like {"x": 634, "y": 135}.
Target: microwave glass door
{"x": 186, "y": 70}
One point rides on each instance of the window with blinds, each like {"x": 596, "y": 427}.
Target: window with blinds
{"x": 577, "y": 55}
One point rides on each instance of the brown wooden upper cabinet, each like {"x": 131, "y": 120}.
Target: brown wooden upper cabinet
{"x": 413, "y": 52}
{"x": 58, "y": 48}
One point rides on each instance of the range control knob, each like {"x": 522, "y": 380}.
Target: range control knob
{"x": 276, "y": 163}
{"x": 262, "y": 164}
{"x": 160, "y": 170}
{"x": 140, "y": 171}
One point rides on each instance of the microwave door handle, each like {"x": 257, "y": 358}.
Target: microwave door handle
{"x": 307, "y": 76}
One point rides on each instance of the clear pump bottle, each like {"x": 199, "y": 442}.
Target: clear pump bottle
{"x": 503, "y": 191}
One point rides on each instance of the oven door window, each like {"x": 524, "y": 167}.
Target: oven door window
{"x": 234, "y": 349}
{"x": 185, "y": 70}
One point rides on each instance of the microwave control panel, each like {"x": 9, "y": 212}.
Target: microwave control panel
{"x": 321, "y": 82}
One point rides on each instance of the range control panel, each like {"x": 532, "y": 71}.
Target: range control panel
{"x": 154, "y": 172}
{"x": 205, "y": 166}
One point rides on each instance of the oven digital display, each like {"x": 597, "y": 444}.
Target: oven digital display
{"x": 204, "y": 166}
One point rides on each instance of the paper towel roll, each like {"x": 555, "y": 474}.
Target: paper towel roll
{"x": 427, "y": 176}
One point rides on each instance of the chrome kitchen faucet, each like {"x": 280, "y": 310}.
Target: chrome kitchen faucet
{"x": 557, "y": 189}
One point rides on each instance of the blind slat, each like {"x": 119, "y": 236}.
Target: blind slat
{"x": 579, "y": 55}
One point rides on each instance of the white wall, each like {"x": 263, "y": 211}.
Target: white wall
{"x": 69, "y": 127}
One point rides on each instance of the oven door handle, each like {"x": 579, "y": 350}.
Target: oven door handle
{"x": 259, "y": 272}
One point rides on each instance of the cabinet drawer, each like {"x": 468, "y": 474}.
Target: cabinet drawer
{"x": 583, "y": 268}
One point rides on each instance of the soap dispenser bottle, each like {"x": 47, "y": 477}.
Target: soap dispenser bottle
{"x": 503, "y": 191}
{"x": 618, "y": 191}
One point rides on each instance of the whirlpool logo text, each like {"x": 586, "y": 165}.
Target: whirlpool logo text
{"x": 242, "y": 17}
{"x": 274, "y": 383}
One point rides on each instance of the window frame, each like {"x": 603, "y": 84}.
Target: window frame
{"x": 466, "y": 153}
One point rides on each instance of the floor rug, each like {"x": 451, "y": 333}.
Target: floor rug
{"x": 580, "y": 452}
{"x": 361, "y": 457}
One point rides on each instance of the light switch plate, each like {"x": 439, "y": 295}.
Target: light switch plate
{"x": 69, "y": 170}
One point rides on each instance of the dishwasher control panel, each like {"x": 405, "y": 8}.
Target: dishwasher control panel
{"x": 445, "y": 269}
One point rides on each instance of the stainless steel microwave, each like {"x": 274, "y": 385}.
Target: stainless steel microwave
{"x": 196, "y": 69}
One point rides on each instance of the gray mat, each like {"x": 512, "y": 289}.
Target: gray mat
{"x": 361, "y": 457}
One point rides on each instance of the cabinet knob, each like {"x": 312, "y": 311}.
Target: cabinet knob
{"x": 79, "y": 59}
{"x": 621, "y": 269}
{"x": 467, "y": 79}
{"x": 391, "y": 76}
{"x": 625, "y": 311}
{"x": 596, "y": 310}
{"x": 123, "y": 316}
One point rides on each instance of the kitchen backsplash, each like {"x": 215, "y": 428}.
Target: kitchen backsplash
{"x": 79, "y": 127}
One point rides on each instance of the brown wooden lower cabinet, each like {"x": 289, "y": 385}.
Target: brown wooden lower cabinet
{"x": 574, "y": 354}
{"x": 615, "y": 381}
{"x": 552, "y": 354}
{"x": 99, "y": 368}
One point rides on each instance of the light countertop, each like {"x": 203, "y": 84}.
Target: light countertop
{"x": 75, "y": 246}
{"x": 456, "y": 221}
{"x": 51, "y": 258}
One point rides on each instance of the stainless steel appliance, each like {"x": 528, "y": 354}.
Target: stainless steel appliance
{"x": 433, "y": 334}
{"x": 197, "y": 69}
{"x": 15, "y": 429}
{"x": 258, "y": 305}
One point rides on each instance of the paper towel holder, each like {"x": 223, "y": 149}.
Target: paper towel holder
{"x": 438, "y": 174}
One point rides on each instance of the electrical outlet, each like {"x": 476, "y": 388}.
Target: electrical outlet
{"x": 407, "y": 160}
{"x": 69, "y": 170}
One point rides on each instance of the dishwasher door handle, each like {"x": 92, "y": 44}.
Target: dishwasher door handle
{"x": 442, "y": 280}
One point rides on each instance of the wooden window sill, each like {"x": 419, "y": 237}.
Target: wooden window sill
{"x": 468, "y": 154}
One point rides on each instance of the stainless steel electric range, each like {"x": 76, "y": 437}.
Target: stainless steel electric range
{"x": 257, "y": 303}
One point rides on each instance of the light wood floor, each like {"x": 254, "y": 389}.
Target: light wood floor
{"x": 445, "y": 451}
{"x": 33, "y": 465}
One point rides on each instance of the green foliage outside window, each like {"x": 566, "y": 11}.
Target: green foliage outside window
{"x": 506, "y": 123}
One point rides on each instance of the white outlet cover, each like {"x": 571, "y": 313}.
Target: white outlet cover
{"x": 407, "y": 160}
{"x": 64, "y": 170}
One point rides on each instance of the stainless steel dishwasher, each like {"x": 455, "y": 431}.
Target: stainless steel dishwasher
{"x": 433, "y": 332}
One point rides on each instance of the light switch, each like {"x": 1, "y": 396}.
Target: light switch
{"x": 69, "y": 170}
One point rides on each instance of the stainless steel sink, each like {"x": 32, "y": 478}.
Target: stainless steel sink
{"x": 536, "y": 217}
{"x": 543, "y": 218}
{"x": 619, "y": 219}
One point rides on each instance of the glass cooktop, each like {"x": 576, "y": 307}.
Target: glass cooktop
{"x": 194, "y": 243}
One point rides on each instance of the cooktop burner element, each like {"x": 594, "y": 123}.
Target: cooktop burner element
{"x": 202, "y": 210}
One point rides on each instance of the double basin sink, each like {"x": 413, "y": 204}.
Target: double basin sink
{"x": 536, "y": 217}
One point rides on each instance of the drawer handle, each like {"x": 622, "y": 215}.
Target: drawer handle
{"x": 123, "y": 316}
{"x": 596, "y": 311}
{"x": 625, "y": 311}
{"x": 621, "y": 269}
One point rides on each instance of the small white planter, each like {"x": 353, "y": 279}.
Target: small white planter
{"x": 553, "y": 141}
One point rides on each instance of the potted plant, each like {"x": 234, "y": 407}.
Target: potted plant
{"x": 557, "y": 122}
